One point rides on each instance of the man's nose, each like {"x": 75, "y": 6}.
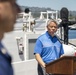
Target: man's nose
{"x": 53, "y": 27}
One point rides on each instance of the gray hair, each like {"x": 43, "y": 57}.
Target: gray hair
{"x": 51, "y": 20}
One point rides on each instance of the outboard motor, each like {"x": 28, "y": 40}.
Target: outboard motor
{"x": 65, "y": 23}
{"x": 64, "y": 17}
{"x": 68, "y": 49}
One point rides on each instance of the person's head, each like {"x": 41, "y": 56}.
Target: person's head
{"x": 8, "y": 14}
{"x": 52, "y": 27}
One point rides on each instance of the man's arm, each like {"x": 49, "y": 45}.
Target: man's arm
{"x": 39, "y": 59}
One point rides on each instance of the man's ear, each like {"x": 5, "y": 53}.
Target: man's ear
{"x": 47, "y": 26}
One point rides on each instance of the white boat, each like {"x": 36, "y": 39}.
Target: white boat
{"x": 20, "y": 43}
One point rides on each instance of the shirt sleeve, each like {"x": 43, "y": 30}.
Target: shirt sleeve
{"x": 38, "y": 47}
{"x": 5, "y": 67}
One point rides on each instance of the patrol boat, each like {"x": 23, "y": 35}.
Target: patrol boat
{"x": 20, "y": 43}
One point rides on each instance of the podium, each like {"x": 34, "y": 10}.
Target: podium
{"x": 65, "y": 65}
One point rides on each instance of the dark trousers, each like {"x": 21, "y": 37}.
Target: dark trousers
{"x": 41, "y": 71}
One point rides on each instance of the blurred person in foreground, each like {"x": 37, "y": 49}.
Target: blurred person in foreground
{"x": 48, "y": 47}
{"x": 8, "y": 14}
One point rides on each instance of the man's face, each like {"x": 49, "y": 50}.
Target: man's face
{"x": 52, "y": 28}
{"x": 8, "y": 14}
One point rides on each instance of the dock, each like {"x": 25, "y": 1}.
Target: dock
{"x": 73, "y": 41}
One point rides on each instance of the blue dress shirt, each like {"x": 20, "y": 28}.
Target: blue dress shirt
{"x": 5, "y": 62}
{"x": 49, "y": 48}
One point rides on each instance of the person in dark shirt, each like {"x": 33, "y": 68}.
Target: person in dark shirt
{"x": 8, "y": 14}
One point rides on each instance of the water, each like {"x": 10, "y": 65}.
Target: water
{"x": 19, "y": 24}
{"x": 72, "y": 34}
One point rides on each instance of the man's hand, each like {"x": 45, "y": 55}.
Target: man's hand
{"x": 62, "y": 55}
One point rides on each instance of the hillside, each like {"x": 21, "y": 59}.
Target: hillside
{"x": 36, "y": 11}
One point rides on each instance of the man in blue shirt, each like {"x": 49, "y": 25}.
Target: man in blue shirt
{"x": 8, "y": 14}
{"x": 48, "y": 48}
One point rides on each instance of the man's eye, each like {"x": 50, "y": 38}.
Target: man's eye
{"x": 52, "y": 27}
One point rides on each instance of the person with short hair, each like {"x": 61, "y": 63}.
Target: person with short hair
{"x": 9, "y": 10}
{"x": 48, "y": 48}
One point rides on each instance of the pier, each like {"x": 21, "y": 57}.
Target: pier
{"x": 73, "y": 41}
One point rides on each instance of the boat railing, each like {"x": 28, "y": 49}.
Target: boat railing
{"x": 31, "y": 24}
{"x": 27, "y": 67}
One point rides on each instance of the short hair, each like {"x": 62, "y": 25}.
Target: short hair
{"x": 7, "y": 0}
{"x": 51, "y": 20}
{"x": 13, "y": 1}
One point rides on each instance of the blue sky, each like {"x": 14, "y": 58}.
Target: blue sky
{"x": 54, "y": 4}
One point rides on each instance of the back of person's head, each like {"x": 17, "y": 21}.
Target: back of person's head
{"x": 13, "y": 2}
{"x": 7, "y": 0}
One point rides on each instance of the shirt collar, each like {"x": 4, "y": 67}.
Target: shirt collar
{"x": 1, "y": 46}
{"x": 50, "y": 35}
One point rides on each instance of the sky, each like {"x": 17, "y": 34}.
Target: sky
{"x": 53, "y": 4}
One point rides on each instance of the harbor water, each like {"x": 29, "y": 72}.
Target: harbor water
{"x": 72, "y": 34}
